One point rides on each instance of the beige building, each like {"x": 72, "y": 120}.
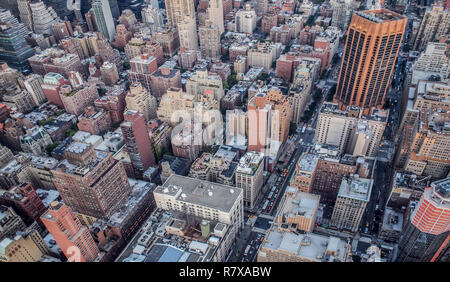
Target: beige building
{"x": 246, "y": 20}
{"x": 354, "y": 194}
{"x": 435, "y": 24}
{"x": 207, "y": 200}
{"x": 203, "y": 80}
{"x": 21, "y": 100}
{"x": 138, "y": 99}
{"x": 23, "y": 247}
{"x": 299, "y": 97}
{"x": 262, "y": 55}
{"x": 32, "y": 84}
{"x": 215, "y": 14}
{"x": 249, "y": 177}
{"x": 349, "y": 130}
{"x": 298, "y": 210}
{"x": 187, "y": 31}
{"x": 281, "y": 245}
{"x": 433, "y": 61}
{"x": 176, "y": 10}
{"x": 175, "y": 99}
{"x": 425, "y": 96}
{"x": 236, "y": 125}
{"x": 240, "y": 64}
{"x": 305, "y": 171}
{"x": 430, "y": 145}
{"x": 209, "y": 36}
{"x": 134, "y": 47}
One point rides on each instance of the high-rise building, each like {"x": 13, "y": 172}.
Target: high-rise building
{"x": 24, "y": 246}
{"x": 298, "y": 210}
{"x": 139, "y": 99}
{"x": 44, "y": 17}
{"x": 25, "y": 13}
{"x": 215, "y": 14}
{"x": 203, "y": 80}
{"x": 61, "y": 8}
{"x": 433, "y": 62}
{"x": 72, "y": 237}
{"x": 429, "y": 151}
{"x": 10, "y": 222}
{"x": 176, "y": 10}
{"x": 51, "y": 86}
{"x": 352, "y": 132}
{"x": 246, "y": 20}
{"x": 137, "y": 142}
{"x": 32, "y": 84}
{"x": 199, "y": 198}
{"x": 354, "y": 194}
{"x": 426, "y": 236}
{"x": 263, "y": 54}
{"x": 152, "y": 17}
{"x": 249, "y": 177}
{"x": 114, "y": 103}
{"x": 104, "y": 18}
{"x": 168, "y": 38}
{"x": 91, "y": 182}
{"x": 428, "y": 95}
{"x": 342, "y": 12}
{"x": 187, "y": 31}
{"x": 269, "y": 117}
{"x": 7, "y": 17}
{"x": 209, "y": 36}
{"x": 164, "y": 79}
{"x": 141, "y": 69}
{"x": 13, "y": 48}
{"x": 435, "y": 24}
{"x": 372, "y": 45}
{"x": 25, "y": 201}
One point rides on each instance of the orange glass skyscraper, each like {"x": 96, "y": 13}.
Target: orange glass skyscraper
{"x": 373, "y": 41}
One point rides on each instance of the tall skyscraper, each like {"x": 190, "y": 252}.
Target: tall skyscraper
{"x": 43, "y": 17}
{"x": 427, "y": 233}
{"x": 187, "y": 31}
{"x": 209, "y": 37}
{"x": 71, "y": 236}
{"x": 176, "y": 10}
{"x": 137, "y": 141}
{"x": 13, "y": 48}
{"x": 215, "y": 14}
{"x": 373, "y": 42}
{"x": 104, "y": 18}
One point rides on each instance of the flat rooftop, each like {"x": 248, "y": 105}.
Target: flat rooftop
{"x": 250, "y": 162}
{"x": 199, "y": 192}
{"x": 300, "y": 204}
{"x": 139, "y": 189}
{"x": 311, "y": 246}
{"x": 307, "y": 162}
{"x": 356, "y": 188}
{"x": 381, "y": 15}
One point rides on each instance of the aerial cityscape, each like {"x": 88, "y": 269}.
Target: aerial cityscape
{"x": 252, "y": 131}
